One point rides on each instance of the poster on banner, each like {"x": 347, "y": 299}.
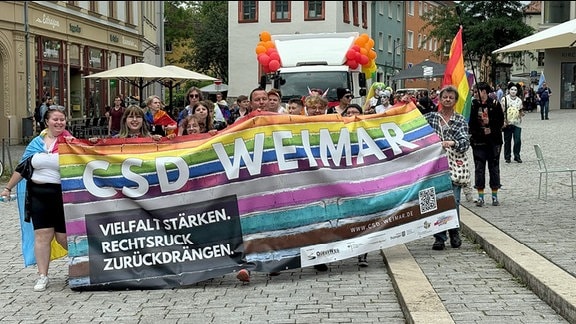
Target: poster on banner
{"x": 270, "y": 193}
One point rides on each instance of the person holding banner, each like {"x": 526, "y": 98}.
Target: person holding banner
{"x": 43, "y": 204}
{"x": 452, "y": 128}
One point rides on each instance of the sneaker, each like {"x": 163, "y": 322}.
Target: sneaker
{"x": 438, "y": 245}
{"x": 495, "y": 201}
{"x": 480, "y": 202}
{"x": 455, "y": 241}
{"x": 243, "y": 275}
{"x": 321, "y": 267}
{"x": 362, "y": 262}
{"x": 42, "y": 283}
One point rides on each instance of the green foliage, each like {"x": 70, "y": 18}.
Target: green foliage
{"x": 202, "y": 27}
{"x": 487, "y": 26}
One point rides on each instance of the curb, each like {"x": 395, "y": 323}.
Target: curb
{"x": 548, "y": 281}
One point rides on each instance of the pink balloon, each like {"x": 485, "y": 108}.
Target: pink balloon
{"x": 355, "y": 48}
{"x": 264, "y": 59}
{"x": 274, "y": 65}
{"x": 364, "y": 60}
{"x": 275, "y": 56}
{"x": 352, "y": 64}
{"x": 351, "y": 54}
{"x": 271, "y": 50}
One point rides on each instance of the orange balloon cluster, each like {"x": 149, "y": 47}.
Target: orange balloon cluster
{"x": 267, "y": 54}
{"x": 362, "y": 53}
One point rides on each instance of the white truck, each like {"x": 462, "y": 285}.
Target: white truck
{"x": 310, "y": 61}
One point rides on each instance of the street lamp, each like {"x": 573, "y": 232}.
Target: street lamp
{"x": 394, "y": 58}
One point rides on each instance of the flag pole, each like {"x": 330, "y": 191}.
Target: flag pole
{"x": 459, "y": 12}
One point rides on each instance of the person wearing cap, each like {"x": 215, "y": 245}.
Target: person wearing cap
{"x": 344, "y": 97}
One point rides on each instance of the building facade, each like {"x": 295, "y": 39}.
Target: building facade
{"x": 247, "y": 19}
{"x": 46, "y": 47}
{"x": 418, "y": 45}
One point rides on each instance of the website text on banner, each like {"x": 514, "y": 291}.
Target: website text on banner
{"x": 274, "y": 192}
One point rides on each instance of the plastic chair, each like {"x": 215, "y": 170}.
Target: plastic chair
{"x": 544, "y": 171}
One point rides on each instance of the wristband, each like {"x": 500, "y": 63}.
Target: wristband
{"x": 9, "y": 190}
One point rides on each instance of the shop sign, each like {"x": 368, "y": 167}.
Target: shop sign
{"x": 47, "y": 20}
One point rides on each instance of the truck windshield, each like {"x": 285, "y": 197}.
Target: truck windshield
{"x": 296, "y": 85}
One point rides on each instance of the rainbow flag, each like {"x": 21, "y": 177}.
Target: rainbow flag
{"x": 456, "y": 75}
{"x": 272, "y": 192}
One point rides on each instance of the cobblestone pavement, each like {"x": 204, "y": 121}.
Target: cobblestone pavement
{"x": 472, "y": 286}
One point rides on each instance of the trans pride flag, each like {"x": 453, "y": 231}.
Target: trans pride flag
{"x": 456, "y": 75}
{"x": 270, "y": 193}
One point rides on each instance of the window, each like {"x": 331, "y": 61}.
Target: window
{"x": 280, "y": 11}
{"x": 355, "y": 13}
{"x": 129, "y": 15}
{"x": 314, "y": 10}
{"x": 410, "y": 39}
{"x": 390, "y": 8}
{"x": 410, "y": 9}
{"x": 419, "y": 40}
{"x": 364, "y": 15}
{"x": 248, "y": 11}
{"x": 398, "y": 12}
{"x": 424, "y": 42}
{"x": 541, "y": 58}
{"x": 168, "y": 47}
{"x": 93, "y": 6}
{"x": 420, "y": 6}
{"x": 390, "y": 49}
{"x": 346, "y": 11}
{"x": 112, "y": 10}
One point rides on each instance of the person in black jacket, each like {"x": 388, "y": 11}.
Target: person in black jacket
{"x": 485, "y": 127}
{"x": 425, "y": 104}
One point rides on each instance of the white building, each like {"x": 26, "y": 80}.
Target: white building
{"x": 247, "y": 19}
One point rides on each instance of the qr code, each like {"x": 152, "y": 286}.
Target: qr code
{"x": 427, "y": 199}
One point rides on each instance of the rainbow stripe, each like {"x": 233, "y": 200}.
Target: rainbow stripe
{"x": 294, "y": 184}
{"x": 456, "y": 75}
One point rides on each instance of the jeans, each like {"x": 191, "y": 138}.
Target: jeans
{"x": 488, "y": 153}
{"x": 512, "y": 132}
{"x": 544, "y": 107}
{"x": 442, "y": 235}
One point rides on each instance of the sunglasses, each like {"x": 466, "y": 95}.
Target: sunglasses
{"x": 59, "y": 108}
{"x": 348, "y": 96}
{"x": 194, "y": 96}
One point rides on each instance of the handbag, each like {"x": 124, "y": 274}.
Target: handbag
{"x": 25, "y": 168}
{"x": 458, "y": 164}
{"x": 459, "y": 167}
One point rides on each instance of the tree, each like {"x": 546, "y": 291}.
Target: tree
{"x": 208, "y": 35}
{"x": 487, "y": 26}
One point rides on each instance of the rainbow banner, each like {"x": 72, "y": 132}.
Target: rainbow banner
{"x": 456, "y": 75}
{"x": 270, "y": 193}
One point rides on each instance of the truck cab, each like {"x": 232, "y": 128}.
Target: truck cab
{"x": 316, "y": 61}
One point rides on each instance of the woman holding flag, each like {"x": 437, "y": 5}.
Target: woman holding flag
{"x": 159, "y": 121}
{"x": 40, "y": 197}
